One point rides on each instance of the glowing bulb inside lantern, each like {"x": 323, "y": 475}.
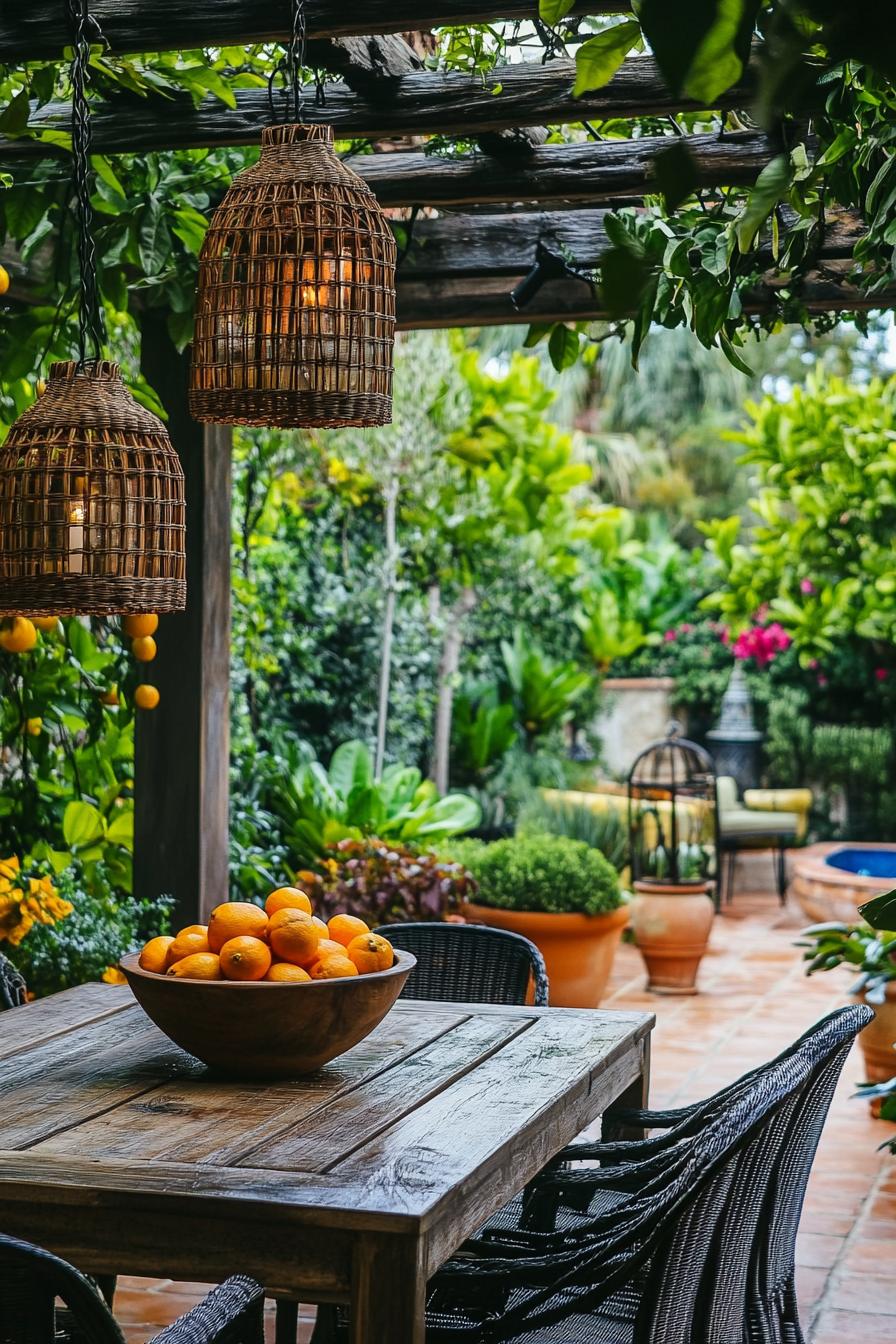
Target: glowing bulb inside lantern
{"x": 77, "y": 516}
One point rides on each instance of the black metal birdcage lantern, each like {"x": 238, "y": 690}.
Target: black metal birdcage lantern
{"x": 672, "y": 815}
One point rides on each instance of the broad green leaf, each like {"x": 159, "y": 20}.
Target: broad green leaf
{"x": 880, "y": 913}
{"x": 732, "y": 355}
{"x": 14, "y": 117}
{"x": 563, "y": 347}
{"x": 771, "y": 186}
{"x": 676, "y": 174}
{"x": 552, "y": 11}
{"x": 103, "y": 169}
{"x": 82, "y": 825}
{"x": 121, "y": 829}
{"x": 598, "y": 59}
{"x": 350, "y": 768}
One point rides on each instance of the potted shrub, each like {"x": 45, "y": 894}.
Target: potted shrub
{"x": 872, "y": 953}
{"x": 561, "y": 894}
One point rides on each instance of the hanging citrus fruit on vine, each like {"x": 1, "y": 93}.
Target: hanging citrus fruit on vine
{"x": 144, "y": 649}
{"x": 4, "y": 279}
{"x": 146, "y": 696}
{"x": 18, "y": 636}
{"x": 146, "y": 624}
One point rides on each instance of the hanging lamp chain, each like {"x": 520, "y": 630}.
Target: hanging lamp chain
{"x": 296, "y": 57}
{"x": 90, "y": 322}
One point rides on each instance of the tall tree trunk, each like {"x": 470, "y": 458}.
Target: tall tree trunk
{"x": 448, "y": 666}
{"x": 391, "y": 571}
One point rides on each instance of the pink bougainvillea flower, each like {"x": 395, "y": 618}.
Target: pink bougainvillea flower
{"x": 822, "y": 679}
{"x": 669, "y": 636}
{"x": 807, "y": 587}
{"x": 881, "y": 673}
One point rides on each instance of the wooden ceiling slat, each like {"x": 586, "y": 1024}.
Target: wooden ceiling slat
{"x": 36, "y": 29}
{"x": 424, "y": 103}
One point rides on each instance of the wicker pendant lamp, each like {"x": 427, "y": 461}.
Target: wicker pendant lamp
{"x": 91, "y": 490}
{"x": 295, "y": 311}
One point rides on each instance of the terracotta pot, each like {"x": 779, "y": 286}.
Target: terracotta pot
{"x": 671, "y": 926}
{"x": 578, "y": 950}
{"x": 879, "y": 1038}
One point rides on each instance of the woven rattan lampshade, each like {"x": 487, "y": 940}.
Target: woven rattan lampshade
{"x": 295, "y": 312}
{"x": 91, "y": 502}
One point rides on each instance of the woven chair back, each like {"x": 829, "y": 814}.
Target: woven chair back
{"x": 31, "y": 1281}
{"x": 466, "y": 963}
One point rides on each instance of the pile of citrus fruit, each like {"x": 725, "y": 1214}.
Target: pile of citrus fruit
{"x": 284, "y": 941}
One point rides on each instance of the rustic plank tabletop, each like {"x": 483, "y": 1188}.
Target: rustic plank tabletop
{"x": 125, "y": 1155}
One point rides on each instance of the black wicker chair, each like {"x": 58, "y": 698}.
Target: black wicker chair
{"x": 12, "y": 987}
{"x": 33, "y": 1283}
{"x": 467, "y": 963}
{"x": 676, "y": 1242}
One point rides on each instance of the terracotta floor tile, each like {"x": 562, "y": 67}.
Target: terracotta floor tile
{"x": 864, "y": 1293}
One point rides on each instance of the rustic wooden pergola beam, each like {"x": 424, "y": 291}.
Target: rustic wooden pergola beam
{"x": 37, "y": 30}
{"x": 605, "y": 170}
{"x": 436, "y": 302}
{"x": 425, "y": 103}
{"x": 504, "y": 245}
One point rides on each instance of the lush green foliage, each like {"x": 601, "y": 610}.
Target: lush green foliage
{"x": 870, "y": 951}
{"x": 88, "y": 943}
{"x": 386, "y": 883}
{"x": 67, "y": 764}
{"x": 319, "y": 807}
{"x": 820, "y": 557}
{"x": 548, "y": 873}
{"x": 603, "y": 831}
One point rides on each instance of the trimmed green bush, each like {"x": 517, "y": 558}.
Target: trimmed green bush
{"x": 547, "y": 873}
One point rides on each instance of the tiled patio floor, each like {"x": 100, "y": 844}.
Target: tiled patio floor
{"x": 754, "y": 1000}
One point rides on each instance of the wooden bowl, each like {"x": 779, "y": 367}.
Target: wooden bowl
{"x": 267, "y": 1029}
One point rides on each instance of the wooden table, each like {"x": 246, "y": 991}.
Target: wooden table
{"x": 122, "y": 1154}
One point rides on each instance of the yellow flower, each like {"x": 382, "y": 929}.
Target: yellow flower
{"x": 113, "y": 976}
{"x": 33, "y": 901}
{"x": 337, "y": 470}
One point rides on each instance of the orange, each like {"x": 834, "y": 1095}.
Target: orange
{"x": 47, "y": 623}
{"x": 144, "y": 648}
{"x": 322, "y": 925}
{"x": 333, "y": 968}
{"x": 200, "y": 966}
{"x": 284, "y": 970}
{"x": 370, "y": 953}
{"x": 146, "y": 696}
{"x": 136, "y": 626}
{"x": 19, "y": 636}
{"x": 343, "y": 928}
{"x": 235, "y": 919}
{"x": 4, "y": 279}
{"x": 294, "y": 937}
{"x": 328, "y": 948}
{"x": 154, "y": 956}
{"x": 287, "y": 898}
{"x": 34, "y": 726}
{"x": 245, "y": 959}
{"x": 192, "y": 939}
{"x": 110, "y": 697}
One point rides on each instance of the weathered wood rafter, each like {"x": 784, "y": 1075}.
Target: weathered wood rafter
{"x": 424, "y": 103}
{"x": 36, "y": 30}
{"x": 504, "y": 245}
{"x": 483, "y": 301}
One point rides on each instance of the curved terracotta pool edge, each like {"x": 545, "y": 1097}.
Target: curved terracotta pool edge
{"x": 827, "y": 893}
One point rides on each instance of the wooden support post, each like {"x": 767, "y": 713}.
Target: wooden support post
{"x": 183, "y": 747}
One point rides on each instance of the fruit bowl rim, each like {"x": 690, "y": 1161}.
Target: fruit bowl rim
{"x": 404, "y": 961}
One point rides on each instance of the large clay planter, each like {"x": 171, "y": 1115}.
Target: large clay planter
{"x": 671, "y": 926}
{"x": 578, "y": 950}
{"x": 879, "y": 1038}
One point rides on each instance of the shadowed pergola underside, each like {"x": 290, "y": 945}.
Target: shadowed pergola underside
{"x": 478, "y": 218}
